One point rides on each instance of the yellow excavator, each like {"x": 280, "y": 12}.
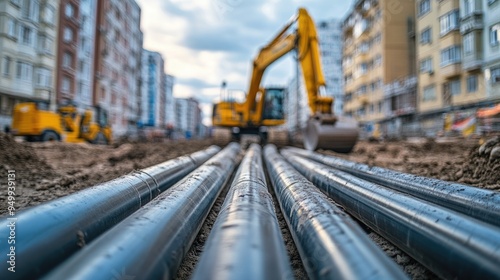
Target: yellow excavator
{"x": 36, "y": 123}
{"x": 260, "y": 113}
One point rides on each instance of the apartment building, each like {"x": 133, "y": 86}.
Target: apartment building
{"x": 330, "y": 44}
{"x": 490, "y": 11}
{"x": 117, "y": 62}
{"x": 153, "y": 90}
{"x": 28, "y": 39}
{"x": 379, "y": 64}
{"x": 67, "y": 43}
{"x": 84, "y": 74}
{"x": 170, "y": 101}
{"x": 457, "y": 55}
{"x": 188, "y": 118}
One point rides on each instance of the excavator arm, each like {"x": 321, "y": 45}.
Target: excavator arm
{"x": 305, "y": 41}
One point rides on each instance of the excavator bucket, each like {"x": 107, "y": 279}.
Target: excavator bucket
{"x": 340, "y": 135}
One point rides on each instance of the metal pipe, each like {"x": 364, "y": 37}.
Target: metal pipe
{"x": 49, "y": 233}
{"x": 450, "y": 244}
{"x": 330, "y": 243}
{"x": 478, "y": 203}
{"x": 151, "y": 243}
{"x": 245, "y": 241}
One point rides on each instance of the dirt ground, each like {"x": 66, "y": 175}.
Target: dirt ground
{"x": 45, "y": 171}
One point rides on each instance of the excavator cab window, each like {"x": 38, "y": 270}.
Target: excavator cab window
{"x": 274, "y": 104}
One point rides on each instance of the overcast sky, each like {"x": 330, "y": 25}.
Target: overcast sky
{"x": 205, "y": 42}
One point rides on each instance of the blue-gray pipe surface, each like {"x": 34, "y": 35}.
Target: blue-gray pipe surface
{"x": 451, "y": 244}
{"x": 478, "y": 203}
{"x": 49, "y": 233}
{"x": 330, "y": 243}
{"x": 151, "y": 243}
{"x": 245, "y": 241}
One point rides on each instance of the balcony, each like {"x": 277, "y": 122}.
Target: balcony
{"x": 399, "y": 87}
{"x": 470, "y": 22}
{"x": 451, "y": 70}
{"x": 472, "y": 62}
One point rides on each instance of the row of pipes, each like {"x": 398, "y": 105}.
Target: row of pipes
{"x": 142, "y": 225}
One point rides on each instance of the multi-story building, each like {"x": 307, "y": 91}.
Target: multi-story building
{"x": 379, "y": 51}
{"x": 28, "y": 39}
{"x": 454, "y": 48}
{"x": 153, "y": 99}
{"x": 85, "y": 53}
{"x": 491, "y": 42}
{"x": 117, "y": 67}
{"x": 67, "y": 55}
{"x": 170, "y": 102}
{"x": 330, "y": 43}
{"x": 188, "y": 118}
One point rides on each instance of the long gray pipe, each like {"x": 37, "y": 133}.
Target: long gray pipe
{"x": 245, "y": 241}
{"x": 450, "y": 244}
{"x": 151, "y": 243}
{"x": 49, "y": 233}
{"x": 330, "y": 243}
{"x": 478, "y": 203}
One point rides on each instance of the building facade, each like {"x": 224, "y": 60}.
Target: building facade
{"x": 188, "y": 118}
{"x": 457, "y": 54}
{"x": 28, "y": 40}
{"x": 490, "y": 11}
{"x": 170, "y": 102}
{"x": 330, "y": 44}
{"x": 85, "y": 54}
{"x": 379, "y": 64}
{"x": 116, "y": 64}
{"x": 153, "y": 89}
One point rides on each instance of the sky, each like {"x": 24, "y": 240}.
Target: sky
{"x": 207, "y": 42}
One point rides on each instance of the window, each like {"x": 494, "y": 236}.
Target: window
{"x": 380, "y": 106}
{"x": 26, "y": 35}
{"x": 45, "y": 44}
{"x": 16, "y": 2}
{"x": 468, "y": 7}
{"x": 43, "y": 77}
{"x": 429, "y": 93}
{"x": 66, "y": 84}
{"x": 425, "y": 36}
{"x": 6, "y": 66}
{"x": 68, "y": 34}
{"x": 377, "y": 39}
{"x": 24, "y": 71}
{"x": 495, "y": 34}
{"x": 472, "y": 83}
{"x": 449, "y": 22}
{"x": 424, "y": 7}
{"x": 495, "y": 75}
{"x": 67, "y": 60}
{"x": 378, "y": 60}
{"x": 450, "y": 55}
{"x": 491, "y": 2}
{"x": 48, "y": 14}
{"x": 69, "y": 10}
{"x": 362, "y": 90}
{"x": 455, "y": 87}
{"x": 30, "y": 9}
{"x": 11, "y": 28}
{"x": 426, "y": 65}
{"x": 468, "y": 43}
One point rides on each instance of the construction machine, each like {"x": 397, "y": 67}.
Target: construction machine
{"x": 36, "y": 123}
{"x": 260, "y": 113}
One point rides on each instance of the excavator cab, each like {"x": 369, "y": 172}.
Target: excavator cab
{"x": 274, "y": 104}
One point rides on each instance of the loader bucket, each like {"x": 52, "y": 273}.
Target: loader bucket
{"x": 339, "y": 136}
